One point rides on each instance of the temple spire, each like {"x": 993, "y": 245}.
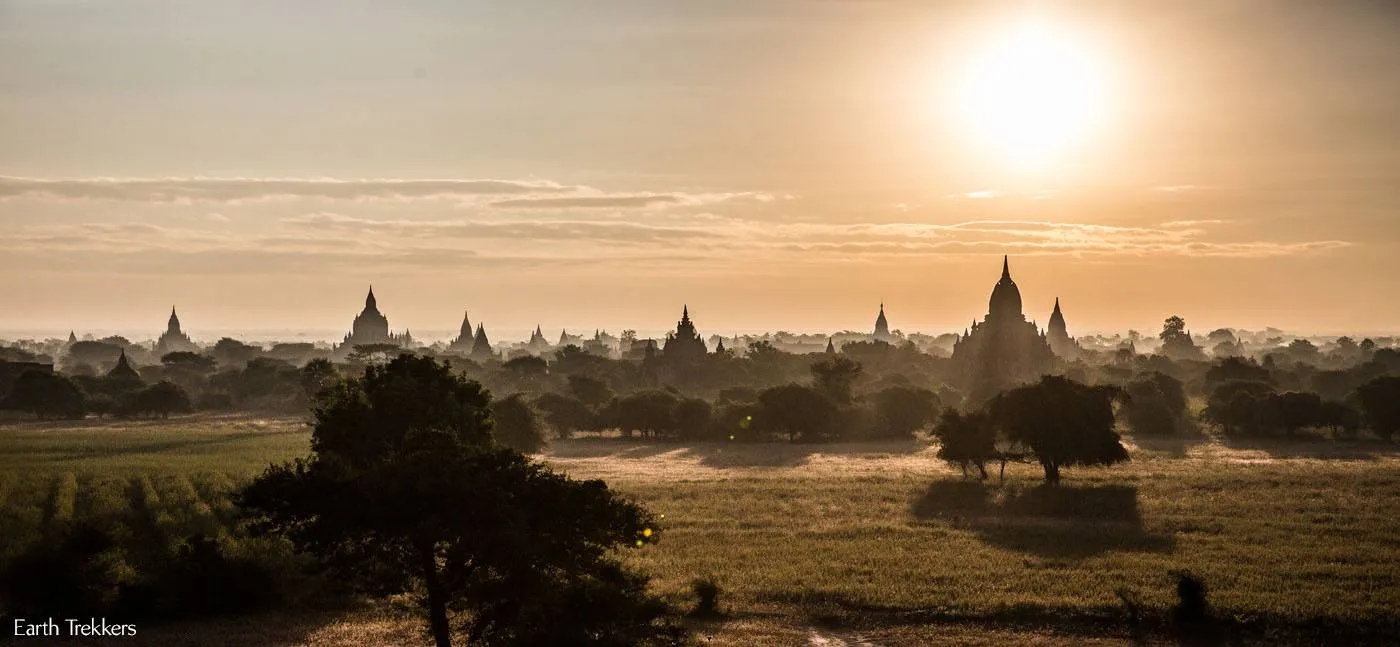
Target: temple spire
{"x": 1057, "y": 304}
{"x": 370, "y": 303}
{"x": 173, "y": 326}
{"x": 1005, "y": 267}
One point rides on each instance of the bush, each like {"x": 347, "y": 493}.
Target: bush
{"x": 902, "y": 410}
{"x": 214, "y": 401}
{"x": 693, "y": 419}
{"x": 517, "y": 427}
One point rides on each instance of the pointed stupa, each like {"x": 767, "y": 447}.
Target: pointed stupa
{"x": 465, "y": 332}
{"x": 173, "y": 325}
{"x": 481, "y": 346}
{"x": 882, "y": 325}
{"x": 72, "y": 337}
{"x": 830, "y": 347}
{"x": 370, "y": 303}
{"x": 719, "y": 346}
{"x": 123, "y": 369}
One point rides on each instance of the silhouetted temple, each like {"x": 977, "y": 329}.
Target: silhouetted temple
{"x": 1058, "y": 336}
{"x": 463, "y": 343}
{"x": 1003, "y": 348}
{"x": 566, "y": 339}
{"x": 372, "y": 327}
{"x": 537, "y": 344}
{"x": 481, "y": 346}
{"x": 684, "y": 344}
{"x": 123, "y": 370}
{"x": 174, "y": 340}
{"x": 882, "y": 326}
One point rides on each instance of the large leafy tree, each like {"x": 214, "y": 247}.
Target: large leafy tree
{"x": 1380, "y": 403}
{"x": 966, "y": 439}
{"x": 45, "y": 394}
{"x": 1063, "y": 422}
{"x": 798, "y": 411}
{"x": 404, "y": 491}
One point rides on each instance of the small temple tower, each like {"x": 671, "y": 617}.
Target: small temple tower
{"x": 882, "y": 326}
{"x": 173, "y": 340}
{"x": 481, "y": 346}
{"x": 463, "y": 342}
{"x": 1058, "y": 336}
{"x": 123, "y": 372}
{"x": 537, "y": 344}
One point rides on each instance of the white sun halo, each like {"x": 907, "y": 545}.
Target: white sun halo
{"x": 1032, "y": 94}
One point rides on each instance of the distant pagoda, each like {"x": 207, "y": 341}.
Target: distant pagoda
{"x": 371, "y": 327}
{"x": 685, "y": 344}
{"x": 465, "y": 336}
{"x": 882, "y": 327}
{"x": 481, "y": 346}
{"x": 174, "y": 340}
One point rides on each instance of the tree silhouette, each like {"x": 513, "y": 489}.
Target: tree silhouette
{"x": 517, "y": 426}
{"x": 836, "y": 378}
{"x": 798, "y": 411}
{"x": 1380, "y": 403}
{"x": 162, "y": 399}
{"x": 44, "y": 394}
{"x": 966, "y": 439}
{"x": 1064, "y": 422}
{"x": 404, "y": 492}
{"x": 902, "y": 410}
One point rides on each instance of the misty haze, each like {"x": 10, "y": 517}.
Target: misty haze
{"x": 817, "y": 323}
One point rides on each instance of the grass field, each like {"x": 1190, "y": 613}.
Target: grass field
{"x": 876, "y": 544}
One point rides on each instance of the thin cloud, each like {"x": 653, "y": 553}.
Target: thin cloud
{"x": 200, "y": 190}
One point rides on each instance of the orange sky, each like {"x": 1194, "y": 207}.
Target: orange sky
{"x": 776, "y": 165}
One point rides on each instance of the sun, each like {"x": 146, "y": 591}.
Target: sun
{"x": 1032, "y": 94}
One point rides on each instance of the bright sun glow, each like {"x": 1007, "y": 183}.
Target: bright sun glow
{"x": 1032, "y": 94}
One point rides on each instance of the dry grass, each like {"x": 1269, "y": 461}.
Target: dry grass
{"x": 874, "y": 543}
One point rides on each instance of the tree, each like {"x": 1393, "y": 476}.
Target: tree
{"x": 162, "y": 399}
{"x": 189, "y": 361}
{"x": 966, "y": 439}
{"x": 1380, "y": 404}
{"x": 318, "y": 375}
{"x": 650, "y": 412}
{"x": 375, "y": 353}
{"x": 517, "y": 426}
{"x": 1173, "y": 330}
{"x": 404, "y": 493}
{"x": 1237, "y": 406}
{"x": 692, "y": 418}
{"x": 1292, "y": 411}
{"x": 1156, "y": 403}
{"x": 565, "y": 414}
{"x": 1341, "y": 418}
{"x": 44, "y": 394}
{"x": 836, "y": 378}
{"x": 1176, "y": 342}
{"x": 902, "y": 410}
{"x": 590, "y": 390}
{"x": 798, "y": 411}
{"x": 1062, "y": 421}
{"x": 231, "y": 352}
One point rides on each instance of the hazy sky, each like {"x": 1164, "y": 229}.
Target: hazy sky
{"x": 775, "y": 164}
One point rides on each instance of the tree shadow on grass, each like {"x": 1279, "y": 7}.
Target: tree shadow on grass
{"x": 1064, "y": 522}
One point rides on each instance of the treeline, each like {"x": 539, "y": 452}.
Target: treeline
{"x": 866, "y": 390}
